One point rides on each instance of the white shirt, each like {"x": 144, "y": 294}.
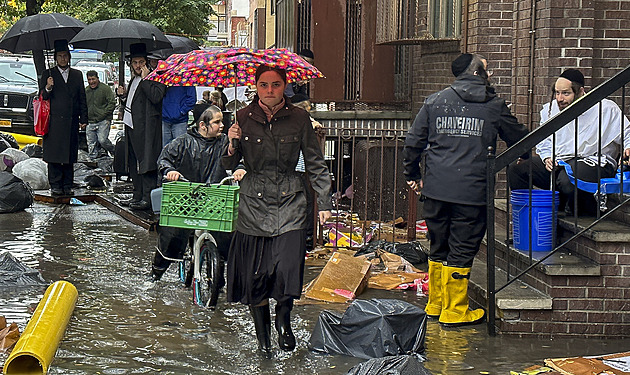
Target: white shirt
{"x": 588, "y": 133}
{"x": 64, "y": 73}
{"x": 127, "y": 119}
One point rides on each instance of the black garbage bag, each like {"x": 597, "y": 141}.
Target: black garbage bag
{"x": 411, "y": 251}
{"x": 397, "y": 365}
{"x": 15, "y": 194}
{"x": 14, "y": 273}
{"x": 371, "y": 329}
{"x": 33, "y": 150}
{"x": 10, "y": 140}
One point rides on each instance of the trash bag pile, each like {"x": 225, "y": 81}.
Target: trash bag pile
{"x": 389, "y": 333}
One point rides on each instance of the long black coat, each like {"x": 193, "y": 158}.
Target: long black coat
{"x": 146, "y": 137}
{"x": 272, "y": 196}
{"x": 68, "y": 109}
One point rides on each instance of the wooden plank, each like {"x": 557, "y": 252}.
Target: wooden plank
{"x": 145, "y": 219}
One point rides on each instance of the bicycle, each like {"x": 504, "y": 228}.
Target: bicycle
{"x": 201, "y": 266}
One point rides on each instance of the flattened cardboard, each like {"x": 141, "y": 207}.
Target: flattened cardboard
{"x": 342, "y": 271}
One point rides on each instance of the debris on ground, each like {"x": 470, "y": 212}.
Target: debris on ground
{"x": 342, "y": 279}
{"x": 9, "y": 334}
{"x": 607, "y": 364}
{"x": 535, "y": 370}
{"x": 392, "y": 365}
{"x": 15, "y": 273}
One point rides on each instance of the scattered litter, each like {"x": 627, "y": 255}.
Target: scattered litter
{"x": 9, "y": 335}
{"x": 76, "y": 202}
{"x": 344, "y": 272}
{"x": 15, "y": 273}
{"x": 613, "y": 364}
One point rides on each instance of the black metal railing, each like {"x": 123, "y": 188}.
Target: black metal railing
{"x": 502, "y": 162}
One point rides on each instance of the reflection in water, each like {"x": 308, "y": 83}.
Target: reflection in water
{"x": 124, "y": 324}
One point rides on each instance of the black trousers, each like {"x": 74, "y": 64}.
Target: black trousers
{"x": 584, "y": 169}
{"x": 143, "y": 183}
{"x": 455, "y": 231}
{"x": 60, "y": 176}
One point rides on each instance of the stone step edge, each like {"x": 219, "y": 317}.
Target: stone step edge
{"x": 562, "y": 263}
{"x": 516, "y": 296}
{"x": 606, "y": 231}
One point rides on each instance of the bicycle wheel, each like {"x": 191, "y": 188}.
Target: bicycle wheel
{"x": 186, "y": 268}
{"x": 206, "y": 290}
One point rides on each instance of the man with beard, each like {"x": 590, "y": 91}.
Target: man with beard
{"x": 143, "y": 127}
{"x": 568, "y": 88}
{"x": 65, "y": 89}
{"x": 454, "y": 129}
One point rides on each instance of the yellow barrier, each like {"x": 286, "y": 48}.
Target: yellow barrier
{"x": 36, "y": 348}
{"x": 24, "y": 140}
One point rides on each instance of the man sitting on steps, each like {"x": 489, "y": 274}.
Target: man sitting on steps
{"x": 568, "y": 88}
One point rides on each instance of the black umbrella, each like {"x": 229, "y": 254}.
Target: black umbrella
{"x": 181, "y": 44}
{"x": 39, "y": 32}
{"x": 116, "y": 35}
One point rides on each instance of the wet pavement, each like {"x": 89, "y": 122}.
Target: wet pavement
{"x": 124, "y": 324}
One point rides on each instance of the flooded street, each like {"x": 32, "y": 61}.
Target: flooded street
{"x": 124, "y": 324}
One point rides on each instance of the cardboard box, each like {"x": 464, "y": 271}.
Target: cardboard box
{"x": 343, "y": 277}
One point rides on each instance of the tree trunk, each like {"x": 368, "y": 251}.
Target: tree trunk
{"x": 33, "y": 7}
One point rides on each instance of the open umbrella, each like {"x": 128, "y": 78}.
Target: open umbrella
{"x": 116, "y": 35}
{"x": 180, "y": 44}
{"x": 229, "y": 67}
{"x": 39, "y": 32}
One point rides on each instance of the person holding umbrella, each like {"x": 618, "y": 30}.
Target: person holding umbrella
{"x": 65, "y": 89}
{"x": 143, "y": 127}
{"x": 266, "y": 258}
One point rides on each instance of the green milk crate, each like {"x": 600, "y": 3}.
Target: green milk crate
{"x": 199, "y": 206}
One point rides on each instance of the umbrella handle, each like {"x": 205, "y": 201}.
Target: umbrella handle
{"x": 235, "y": 143}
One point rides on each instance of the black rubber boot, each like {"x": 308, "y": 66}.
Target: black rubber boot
{"x": 262, "y": 322}
{"x": 159, "y": 266}
{"x": 286, "y": 339}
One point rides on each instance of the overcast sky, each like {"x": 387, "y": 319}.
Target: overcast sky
{"x": 241, "y": 6}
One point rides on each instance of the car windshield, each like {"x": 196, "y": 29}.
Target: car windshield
{"x": 17, "y": 72}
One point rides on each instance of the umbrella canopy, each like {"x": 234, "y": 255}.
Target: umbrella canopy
{"x": 116, "y": 35}
{"x": 180, "y": 44}
{"x": 229, "y": 67}
{"x": 39, "y": 32}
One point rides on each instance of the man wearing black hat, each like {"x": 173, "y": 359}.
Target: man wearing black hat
{"x": 454, "y": 129}
{"x": 143, "y": 127}
{"x": 568, "y": 88}
{"x": 65, "y": 89}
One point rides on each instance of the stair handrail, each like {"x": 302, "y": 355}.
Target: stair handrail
{"x": 562, "y": 118}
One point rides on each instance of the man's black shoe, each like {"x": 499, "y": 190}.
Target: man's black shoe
{"x": 56, "y": 191}
{"x": 68, "y": 192}
{"x": 140, "y": 206}
{"x": 127, "y": 202}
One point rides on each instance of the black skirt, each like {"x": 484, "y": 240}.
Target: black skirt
{"x": 266, "y": 267}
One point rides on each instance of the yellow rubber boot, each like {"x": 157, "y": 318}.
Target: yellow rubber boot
{"x": 455, "y": 311}
{"x": 434, "y": 305}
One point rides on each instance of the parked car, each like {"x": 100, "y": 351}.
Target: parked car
{"x": 18, "y": 88}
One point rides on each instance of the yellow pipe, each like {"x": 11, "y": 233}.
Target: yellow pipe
{"x": 36, "y": 348}
{"x": 24, "y": 140}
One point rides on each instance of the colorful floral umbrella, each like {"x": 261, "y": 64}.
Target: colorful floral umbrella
{"x": 229, "y": 67}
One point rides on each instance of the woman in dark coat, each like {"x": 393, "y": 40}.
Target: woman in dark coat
{"x": 266, "y": 258}
{"x": 68, "y": 109}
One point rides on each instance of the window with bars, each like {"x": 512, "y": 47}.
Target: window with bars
{"x": 445, "y": 18}
{"x": 304, "y": 25}
{"x": 352, "y": 87}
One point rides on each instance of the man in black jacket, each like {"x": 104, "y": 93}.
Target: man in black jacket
{"x": 143, "y": 127}
{"x": 454, "y": 129}
{"x": 65, "y": 89}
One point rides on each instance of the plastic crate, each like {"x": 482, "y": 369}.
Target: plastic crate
{"x": 199, "y": 206}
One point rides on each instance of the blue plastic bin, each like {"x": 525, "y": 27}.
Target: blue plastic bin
{"x": 541, "y": 222}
